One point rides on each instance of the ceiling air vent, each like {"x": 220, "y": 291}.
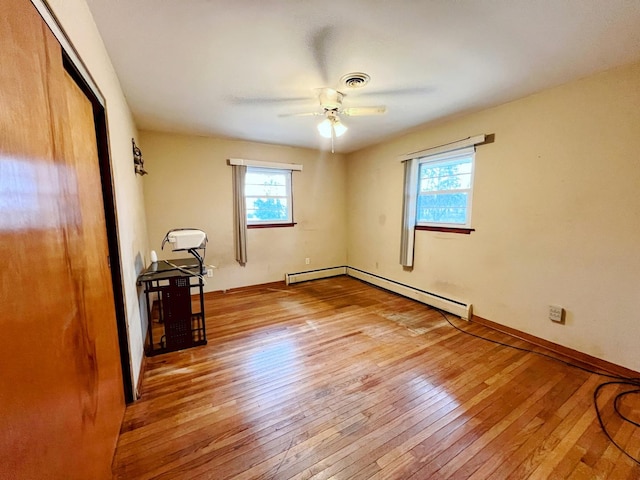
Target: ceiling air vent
{"x": 355, "y": 80}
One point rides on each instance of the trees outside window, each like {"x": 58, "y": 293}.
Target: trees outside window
{"x": 444, "y": 190}
{"x": 268, "y": 196}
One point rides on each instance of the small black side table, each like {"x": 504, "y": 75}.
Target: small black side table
{"x": 180, "y": 326}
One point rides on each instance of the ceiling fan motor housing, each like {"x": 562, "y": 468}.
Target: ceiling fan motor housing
{"x": 330, "y": 99}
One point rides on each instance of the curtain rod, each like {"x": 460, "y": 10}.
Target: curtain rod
{"x": 445, "y": 147}
{"x": 259, "y": 163}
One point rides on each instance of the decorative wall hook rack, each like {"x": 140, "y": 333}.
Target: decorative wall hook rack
{"x": 138, "y": 162}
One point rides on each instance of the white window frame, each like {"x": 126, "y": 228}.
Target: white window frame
{"x": 442, "y": 159}
{"x": 289, "y": 195}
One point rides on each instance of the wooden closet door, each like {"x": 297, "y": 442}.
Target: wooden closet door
{"x": 61, "y": 390}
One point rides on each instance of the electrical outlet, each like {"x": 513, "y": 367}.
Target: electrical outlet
{"x": 307, "y": 261}
{"x": 209, "y": 272}
{"x": 556, "y": 314}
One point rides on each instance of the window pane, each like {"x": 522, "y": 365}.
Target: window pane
{"x": 265, "y": 190}
{"x": 266, "y": 208}
{"x": 446, "y": 215}
{"x": 443, "y": 208}
{"x": 452, "y": 175}
{"x": 444, "y": 189}
{"x": 268, "y": 178}
{"x": 268, "y": 195}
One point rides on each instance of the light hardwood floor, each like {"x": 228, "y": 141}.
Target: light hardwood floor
{"x": 338, "y": 379}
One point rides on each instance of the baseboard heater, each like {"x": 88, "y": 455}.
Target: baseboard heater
{"x": 456, "y": 307}
{"x": 314, "y": 274}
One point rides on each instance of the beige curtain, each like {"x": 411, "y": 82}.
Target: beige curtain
{"x": 407, "y": 238}
{"x": 240, "y": 213}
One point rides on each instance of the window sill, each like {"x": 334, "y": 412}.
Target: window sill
{"x": 271, "y": 225}
{"x": 464, "y": 231}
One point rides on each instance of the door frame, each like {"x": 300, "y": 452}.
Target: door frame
{"x": 80, "y": 74}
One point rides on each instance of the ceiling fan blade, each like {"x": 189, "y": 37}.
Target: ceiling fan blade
{"x": 399, "y": 91}
{"x": 266, "y": 100}
{"x": 303, "y": 114}
{"x": 319, "y": 43}
{"x": 361, "y": 111}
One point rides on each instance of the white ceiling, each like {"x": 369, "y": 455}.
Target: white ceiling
{"x": 230, "y": 67}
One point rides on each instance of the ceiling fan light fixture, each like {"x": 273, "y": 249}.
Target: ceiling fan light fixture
{"x": 331, "y": 127}
{"x": 324, "y": 127}
{"x": 339, "y": 128}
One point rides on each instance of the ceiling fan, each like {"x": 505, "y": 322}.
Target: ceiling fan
{"x": 330, "y": 101}
{"x": 320, "y": 43}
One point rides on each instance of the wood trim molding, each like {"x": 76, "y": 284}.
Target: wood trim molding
{"x": 271, "y": 225}
{"x": 143, "y": 367}
{"x": 575, "y": 356}
{"x": 465, "y": 231}
{"x": 58, "y": 31}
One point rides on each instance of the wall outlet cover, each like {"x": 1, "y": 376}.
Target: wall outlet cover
{"x": 556, "y": 313}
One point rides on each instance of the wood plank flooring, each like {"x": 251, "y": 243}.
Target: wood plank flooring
{"x": 336, "y": 379}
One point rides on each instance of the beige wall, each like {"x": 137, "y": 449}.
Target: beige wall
{"x": 76, "y": 19}
{"x": 556, "y": 210}
{"x": 189, "y": 185}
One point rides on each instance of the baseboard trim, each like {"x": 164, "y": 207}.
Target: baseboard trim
{"x": 143, "y": 367}
{"x": 569, "y": 353}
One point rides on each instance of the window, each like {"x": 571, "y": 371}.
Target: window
{"x": 268, "y": 196}
{"x": 437, "y": 190}
{"x": 445, "y": 187}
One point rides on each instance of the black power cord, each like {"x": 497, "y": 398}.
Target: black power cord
{"x": 627, "y": 382}
{"x": 616, "y": 380}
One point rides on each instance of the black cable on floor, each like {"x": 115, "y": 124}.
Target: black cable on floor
{"x": 617, "y": 380}
{"x": 615, "y": 402}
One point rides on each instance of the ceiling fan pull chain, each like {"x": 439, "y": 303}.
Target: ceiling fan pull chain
{"x": 333, "y": 135}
